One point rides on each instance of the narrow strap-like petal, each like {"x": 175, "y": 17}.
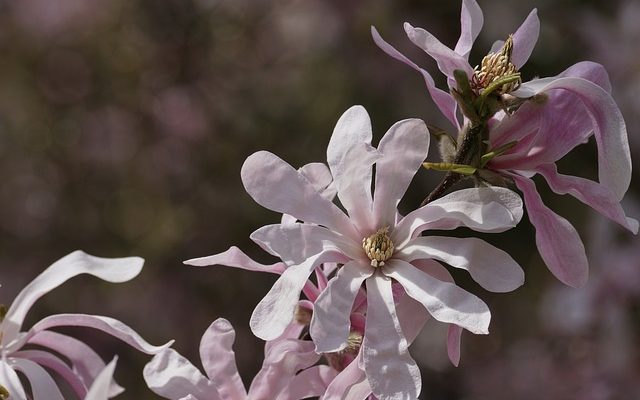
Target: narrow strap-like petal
{"x": 219, "y": 360}
{"x": 525, "y": 39}
{"x": 391, "y": 371}
{"x": 311, "y": 382}
{"x": 445, "y": 301}
{"x": 102, "y": 385}
{"x": 234, "y": 257}
{"x": 55, "y": 364}
{"x": 330, "y": 323}
{"x": 471, "y": 20}
{"x": 454, "y": 336}
{"x": 558, "y": 242}
{"x": 10, "y": 379}
{"x": 403, "y": 148}
{"x": 43, "y": 387}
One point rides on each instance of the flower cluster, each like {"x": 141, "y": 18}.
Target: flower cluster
{"x": 357, "y": 277}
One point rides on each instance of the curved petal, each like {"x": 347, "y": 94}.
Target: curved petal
{"x": 43, "y": 387}
{"x": 444, "y": 101}
{"x": 114, "y": 270}
{"x": 471, "y": 20}
{"x": 276, "y": 185}
{"x": 342, "y": 385}
{"x": 319, "y": 176}
{"x": 525, "y": 38}
{"x": 10, "y": 379}
{"x": 404, "y": 147}
{"x": 454, "y": 335}
{"x": 445, "y": 301}
{"x": 391, "y": 371}
{"x": 312, "y": 382}
{"x": 558, "y": 242}
{"x": 234, "y": 257}
{"x": 590, "y": 193}
{"x": 55, "y": 364}
{"x": 330, "y": 323}
{"x": 219, "y": 360}
{"x": 351, "y": 157}
{"x": 101, "y": 388}
{"x": 172, "y": 376}
{"x": 491, "y": 267}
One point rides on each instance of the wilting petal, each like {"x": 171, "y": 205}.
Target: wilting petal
{"x": 330, "y": 323}
{"x": 311, "y": 382}
{"x": 219, "y": 360}
{"x": 448, "y": 61}
{"x": 53, "y": 363}
{"x": 342, "y": 385}
{"x": 234, "y": 257}
{"x": 43, "y": 387}
{"x": 444, "y": 101}
{"x": 558, "y": 242}
{"x": 350, "y": 157}
{"x": 491, "y": 267}
{"x": 101, "y": 388}
{"x": 590, "y": 193}
{"x": 391, "y": 371}
{"x": 109, "y": 269}
{"x": 172, "y": 376}
{"x": 491, "y": 209}
{"x": 471, "y": 21}
{"x": 10, "y": 379}
{"x": 276, "y": 185}
{"x": 445, "y": 301}
{"x": 275, "y": 311}
{"x": 454, "y": 335}
{"x": 525, "y": 38}
{"x": 404, "y": 147}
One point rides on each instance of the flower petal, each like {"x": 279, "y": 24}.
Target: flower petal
{"x": 101, "y": 388}
{"x": 351, "y": 157}
{"x": 558, "y": 242}
{"x": 276, "y": 185}
{"x": 234, "y": 257}
{"x": 109, "y": 269}
{"x": 404, "y": 147}
{"x": 471, "y": 21}
{"x": 219, "y": 360}
{"x": 172, "y": 376}
{"x": 311, "y": 382}
{"x": 10, "y": 379}
{"x": 55, "y": 364}
{"x": 391, "y": 371}
{"x": 445, "y": 301}
{"x": 344, "y": 384}
{"x": 454, "y": 335}
{"x": 491, "y": 267}
{"x": 330, "y": 323}
{"x": 525, "y": 38}
{"x": 43, "y": 387}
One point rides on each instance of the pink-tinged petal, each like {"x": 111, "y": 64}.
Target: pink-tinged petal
{"x": 590, "y": 193}
{"x": 43, "y": 387}
{"x": 444, "y": 101}
{"x": 525, "y": 122}
{"x": 558, "y": 242}
{"x": 100, "y": 390}
{"x": 525, "y": 38}
{"x": 343, "y": 385}
{"x": 445, "y": 301}
{"x": 351, "y": 157}
{"x": 391, "y": 371}
{"x": 319, "y": 176}
{"x": 448, "y": 60}
{"x": 234, "y": 257}
{"x": 404, "y": 147}
{"x": 84, "y": 360}
{"x": 454, "y": 335}
{"x": 491, "y": 267}
{"x": 295, "y": 243}
{"x": 471, "y": 21}
{"x": 10, "y": 379}
{"x": 219, "y": 360}
{"x": 330, "y": 323}
{"x": 276, "y": 185}
{"x": 491, "y": 209}
{"x": 53, "y": 363}
{"x": 275, "y": 311}
{"x": 280, "y": 365}
{"x": 312, "y": 382}
{"x": 114, "y": 270}
{"x": 107, "y": 325}
{"x": 173, "y": 377}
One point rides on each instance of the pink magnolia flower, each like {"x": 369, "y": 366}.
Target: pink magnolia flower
{"x": 84, "y": 365}
{"x": 564, "y": 112}
{"x": 374, "y": 248}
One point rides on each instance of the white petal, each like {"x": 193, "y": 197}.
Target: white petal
{"x": 11, "y": 381}
{"x": 471, "y": 21}
{"x": 101, "y": 386}
{"x": 234, "y": 257}
{"x": 43, "y": 387}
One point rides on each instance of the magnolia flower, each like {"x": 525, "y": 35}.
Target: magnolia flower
{"x": 562, "y": 112}
{"x": 375, "y": 249}
{"x": 288, "y": 371}
{"x": 84, "y": 364}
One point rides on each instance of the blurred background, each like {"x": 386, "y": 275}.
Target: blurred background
{"x": 124, "y": 124}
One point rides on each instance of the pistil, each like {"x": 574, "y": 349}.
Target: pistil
{"x": 496, "y": 68}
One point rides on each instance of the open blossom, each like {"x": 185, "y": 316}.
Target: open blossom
{"x": 83, "y": 366}
{"x": 544, "y": 120}
{"x": 374, "y": 248}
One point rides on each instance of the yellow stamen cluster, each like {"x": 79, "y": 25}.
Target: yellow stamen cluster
{"x": 378, "y": 247}
{"x": 302, "y": 315}
{"x": 353, "y": 343}
{"x": 494, "y": 67}
{"x": 4, "y": 393}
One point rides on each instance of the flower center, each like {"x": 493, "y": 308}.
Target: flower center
{"x": 378, "y": 247}
{"x": 4, "y": 393}
{"x": 497, "y": 67}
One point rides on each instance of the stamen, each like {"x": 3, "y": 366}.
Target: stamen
{"x": 494, "y": 67}
{"x": 4, "y": 393}
{"x": 378, "y": 247}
